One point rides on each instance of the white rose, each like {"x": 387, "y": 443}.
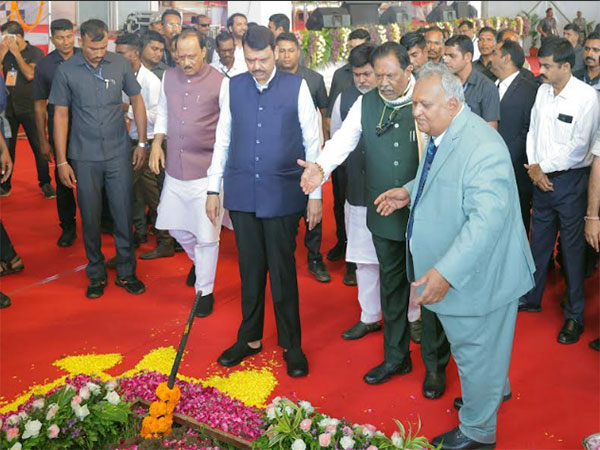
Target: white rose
{"x": 23, "y": 416}
{"x": 289, "y": 411}
{"x": 397, "y": 440}
{"x": 324, "y": 422}
{"x": 32, "y": 429}
{"x": 81, "y": 411}
{"x": 110, "y": 385}
{"x": 85, "y": 392}
{"x": 52, "y": 410}
{"x": 306, "y": 406}
{"x": 13, "y": 420}
{"x": 270, "y": 413}
{"x": 113, "y": 398}
{"x": 298, "y": 445}
{"x": 276, "y": 400}
{"x": 93, "y": 387}
{"x": 347, "y": 442}
{"x": 38, "y": 404}
{"x": 17, "y": 446}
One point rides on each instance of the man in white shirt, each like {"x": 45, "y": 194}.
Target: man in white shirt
{"x": 466, "y": 28}
{"x": 564, "y": 121}
{"x": 225, "y": 49}
{"x": 237, "y": 25}
{"x": 145, "y": 184}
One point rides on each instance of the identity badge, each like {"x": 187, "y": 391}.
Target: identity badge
{"x": 11, "y": 78}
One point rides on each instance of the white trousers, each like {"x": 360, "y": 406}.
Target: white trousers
{"x": 204, "y": 255}
{"x": 369, "y": 294}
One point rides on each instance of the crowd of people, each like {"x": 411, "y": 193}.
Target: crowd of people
{"x": 177, "y": 134}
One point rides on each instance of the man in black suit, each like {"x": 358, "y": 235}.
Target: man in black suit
{"x": 517, "y": 96}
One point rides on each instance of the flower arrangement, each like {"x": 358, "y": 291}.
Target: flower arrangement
{"x": 330, "y": 44}
{"x": 160, "y": 421}
{"x": 300, "y": 427}
{"x": 88, "y": 415}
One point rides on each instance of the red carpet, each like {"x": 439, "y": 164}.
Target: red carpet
{"x": 556, "y": 401}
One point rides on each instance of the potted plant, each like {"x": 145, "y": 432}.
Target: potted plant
{"x": 533, "y": 20}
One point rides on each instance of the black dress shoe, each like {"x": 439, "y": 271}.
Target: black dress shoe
{"x": 205, "y": 306}
{"x": 4, "y": 300}
{"x": 416, "y": 330}
{"x": 162, "y": 250}
{"x": 191, "y": 277}
{"x": 236, "y": 353}
{"x": 67, "y": 238}
{"x": 131, "y": 284}
{"x": 383, "y": 372}
{"x": 96, "y": 288}
{"x": 570, "y": 332}
{"x": 434, "y": 385}
{"x": 458, "y": 401}
{"x": 359, "y": 329}
{"x": 595, "y": 344}
{"x": 297, "y": 365}
{"x": 455, "y": 440}
{"x": 337, "y": 252}
{"x": 528, "y": 307}
{"x": 319, "y": 270}
{"x": 350, "y": 275}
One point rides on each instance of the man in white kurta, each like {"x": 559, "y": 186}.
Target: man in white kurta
{"x": 188, "y": 112}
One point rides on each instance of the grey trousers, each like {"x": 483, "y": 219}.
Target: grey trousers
{"x": 115, "y": 176}
{"x": 482, "y": 347}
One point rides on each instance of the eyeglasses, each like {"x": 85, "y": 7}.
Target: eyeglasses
{"x": 173, "y": 25}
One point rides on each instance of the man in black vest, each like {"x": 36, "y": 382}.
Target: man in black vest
{"x": 267, "y": 121}
{"x": 383, "y": 119}
{"x": 359, "y": 248}
{"x": 517, "y": 96}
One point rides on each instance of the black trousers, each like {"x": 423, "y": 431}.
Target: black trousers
{"x": 312, "y": 241}
{"x": 268, "y": 245}
{"x": 65, "y": 199}
{"x": 561, "y": 210}
{"x": 28, "y": 122}
{"x": 525, "y": 198}
{"x": 338, "y": 181}
{"x": 115, "y": 176}
{"x": 7, "y": 251}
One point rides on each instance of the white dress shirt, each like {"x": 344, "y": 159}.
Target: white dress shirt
{"x": 307, "y": 114}
{"x": 162, "y": 115}
{"x": 239, "y": 61}
{"x": 504, "y": 84}
{"x": 476, "y": 54}
{"x": 556, "y": 144}
{"x": 150, "y": 84}
{"x": 235, "y": 70}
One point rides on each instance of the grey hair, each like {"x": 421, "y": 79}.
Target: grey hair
{"x": 450, "y": 83}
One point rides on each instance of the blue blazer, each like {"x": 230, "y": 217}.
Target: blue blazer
{"x": 467, "y": 224}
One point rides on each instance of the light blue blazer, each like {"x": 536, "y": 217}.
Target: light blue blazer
{"x": 468, "y": 225}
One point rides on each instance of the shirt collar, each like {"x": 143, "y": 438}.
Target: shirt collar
{"x": 437, "y": 140}
{"x": 508, "y": 80}
{"x": 262, "y": 88}
{"x": 565, "y": 93}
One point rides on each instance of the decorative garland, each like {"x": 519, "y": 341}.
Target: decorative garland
{"x": 330, "y": 45}
{"x": 15, "y": 14}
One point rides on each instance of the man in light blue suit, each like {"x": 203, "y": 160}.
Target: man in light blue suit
{"x": 467, "y": 248}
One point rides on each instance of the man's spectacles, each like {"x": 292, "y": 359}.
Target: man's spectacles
{"x": 173, "y": 25}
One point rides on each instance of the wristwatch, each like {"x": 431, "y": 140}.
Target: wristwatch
{"x": 142, "y": 144}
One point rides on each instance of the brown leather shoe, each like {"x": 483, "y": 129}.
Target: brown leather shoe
{"x": 162, "y": 250}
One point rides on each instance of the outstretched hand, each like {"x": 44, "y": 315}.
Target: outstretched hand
{"x": 392, "y": 200}
{"x": 312, "y": 177}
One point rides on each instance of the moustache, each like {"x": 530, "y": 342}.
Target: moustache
{"x": 588, "y": 59}
{"x": 187, "y": 68}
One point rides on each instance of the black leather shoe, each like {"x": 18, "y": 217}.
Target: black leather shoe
{"x": 131, "y": 284}
{"x": 434, "y": 385}
{"x": 162, "y": 250}
{"x": 595, "y": 344}
{"x": 96, "y": 288}
{"x": 528, "y": 307}
{"x": 350, "y": 275}
{"x": 337, "y": 252}
{"x": 191, "y": 277}
{"x": 416, "y": 330}
{"x": 205, "y": 306}
{"x": 4, "y": 300}
{"x": 455, "y": 440}
{"x": 383, "y": 372}
{"x": 319, "y": 270}
{"x": 570, "y": 332}
{"x": 67, "y": 238}
{"x": 236, "y": 353}
{"x": 297, "y": 364}
{"x": 359, "y": 329}
{"x": 458, "y": 401}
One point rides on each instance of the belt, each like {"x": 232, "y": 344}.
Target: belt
{"x": 562, "y": 172}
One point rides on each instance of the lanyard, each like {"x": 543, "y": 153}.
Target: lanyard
{"x": 98, "y": 74}
{"x": 466, "y": 86}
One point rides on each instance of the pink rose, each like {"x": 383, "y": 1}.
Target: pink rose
{"x": 325, "y": 439}
{"x": 372, "y": 447}
{"x": 76, "y": 400}
{"x": 12, "y": 433}
{"x": 53, "y": 431}
{"x": 330, "y": 429}
{"x": 305, "y": 424}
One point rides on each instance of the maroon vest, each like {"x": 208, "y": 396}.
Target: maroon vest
{"x": 193, "y": 113}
